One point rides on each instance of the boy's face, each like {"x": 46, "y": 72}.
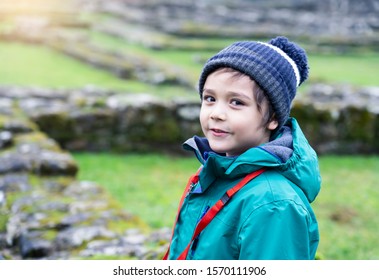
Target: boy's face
{"x": 229, "y": 115}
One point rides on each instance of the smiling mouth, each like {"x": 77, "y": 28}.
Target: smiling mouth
{"x": 218, "y": 132}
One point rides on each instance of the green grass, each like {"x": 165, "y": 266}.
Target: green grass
{"x": 347, "y": 207}
{"x": 151, "y": 185}
{"x": 41, "y": 66}
{"x": 356, "y": 69}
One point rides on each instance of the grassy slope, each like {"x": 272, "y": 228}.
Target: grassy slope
{"x": 31, "y": 65}
{"x": 40, "y": 66}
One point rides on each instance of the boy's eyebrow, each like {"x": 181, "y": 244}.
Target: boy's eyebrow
{"x": 231, "y": 93}
{"x": 208, "y": 90}
{"x": 239, "y": 94}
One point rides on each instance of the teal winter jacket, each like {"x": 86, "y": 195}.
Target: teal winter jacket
{"x": 269, "y": 218}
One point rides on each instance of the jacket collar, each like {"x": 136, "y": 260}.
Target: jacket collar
{"x": 219, "y": 166}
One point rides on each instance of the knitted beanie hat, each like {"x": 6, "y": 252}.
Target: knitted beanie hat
{"x": 278, "y": 67}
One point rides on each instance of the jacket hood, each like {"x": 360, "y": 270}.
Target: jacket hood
{"x": 289, "y": 153}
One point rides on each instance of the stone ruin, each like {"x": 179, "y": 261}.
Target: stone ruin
{"x": 323, "y": 22}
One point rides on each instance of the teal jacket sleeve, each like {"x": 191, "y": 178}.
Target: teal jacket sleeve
{"x": 276, "y": 231}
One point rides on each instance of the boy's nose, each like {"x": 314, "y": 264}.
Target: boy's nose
{"x": 218, "y": 113}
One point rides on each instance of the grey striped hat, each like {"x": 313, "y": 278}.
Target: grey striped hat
{"x": 278, "y": 67}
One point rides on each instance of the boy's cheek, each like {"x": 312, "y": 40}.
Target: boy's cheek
{"x": 203, "y": 114}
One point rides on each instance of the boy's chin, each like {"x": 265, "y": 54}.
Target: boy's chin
{"x": 217, "y": 149}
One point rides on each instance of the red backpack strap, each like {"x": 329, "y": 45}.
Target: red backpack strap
{"x": 191, "y": 181}
{"x": 208, "y": 217}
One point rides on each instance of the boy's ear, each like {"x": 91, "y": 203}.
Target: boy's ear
{"x": 273, "y": 124}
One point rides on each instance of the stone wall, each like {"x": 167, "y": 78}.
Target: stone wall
{"x": 97, "y": 120}
{"x": 336, "y": 119}
{"x": 340, "y": 119}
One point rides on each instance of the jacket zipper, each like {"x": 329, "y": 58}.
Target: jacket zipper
{"x": 196, "y": 240}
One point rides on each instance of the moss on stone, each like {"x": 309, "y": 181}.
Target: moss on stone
{"x": 127, "y": 221}
{"x": 58, "y": 125}
{"x": 312, "y": 121}
{"x": 16, "y": 124}
{"x": 358, "y": 124}
{"x": 49, "y": 235}
{"x": 4, "y": 216}
{"x": 13, "y": 196}
{"x": 39, "y": 138}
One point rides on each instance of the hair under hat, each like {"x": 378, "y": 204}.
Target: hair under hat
{"x": 278, "y": 67}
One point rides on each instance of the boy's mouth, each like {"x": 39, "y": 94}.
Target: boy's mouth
{"x": 218, "y": 132}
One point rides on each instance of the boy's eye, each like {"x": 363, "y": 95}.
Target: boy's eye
{"x": 208, "y": 98}
{"x": 237, "y": 102}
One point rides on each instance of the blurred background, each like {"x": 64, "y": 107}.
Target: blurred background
{"x": 96, "y": 97}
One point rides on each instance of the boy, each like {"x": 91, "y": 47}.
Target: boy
{"x": 253, "y": 145}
